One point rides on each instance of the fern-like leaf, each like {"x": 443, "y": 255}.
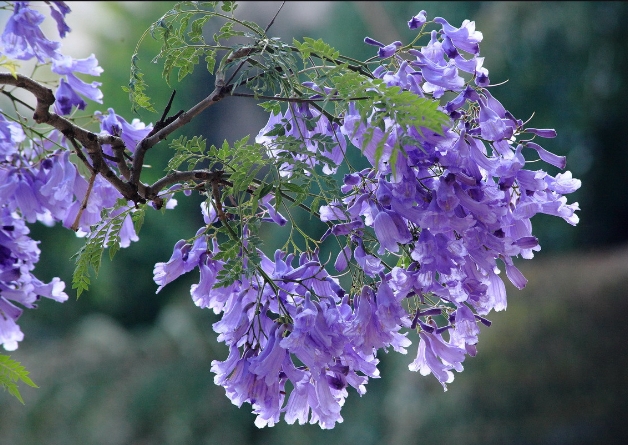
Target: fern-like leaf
{"x": 11, "y": 372}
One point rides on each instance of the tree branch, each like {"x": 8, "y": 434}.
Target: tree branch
{"x": 91, "y": 142}
{"x": 150, "y": 141}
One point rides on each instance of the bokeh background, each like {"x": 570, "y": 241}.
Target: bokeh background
{"x": 123, "y": 365}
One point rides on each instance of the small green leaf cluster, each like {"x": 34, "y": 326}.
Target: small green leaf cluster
{"x": 11, "y": 372}
{"x": 181, "y": 32}
{"x": 101, "y": 237}
{"x": 190, "y": 151}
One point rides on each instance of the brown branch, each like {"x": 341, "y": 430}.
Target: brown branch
{"x": 297, "y": 99}
{"x": 90, "y": 186}
{"x": 273, "y": 19}
{"x": 178, "y": 176}
{"x": 184, "y": 118}
{"x": 91, "y": 142}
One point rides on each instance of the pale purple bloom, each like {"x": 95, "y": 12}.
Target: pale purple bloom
{"x": 418, "y": 20}
{"x": 493, "y": 127}
{"x": 131, "y": 133}
{"x": 466, "y": 37}
{"x": 22, "y": 38}
{"x": 550, "y": 158}
{"x": 389, "y": 50}
{"x": 18, "y": 287}
{"x": 376, "y": 324}
{"x": 103, "y": 196}
{"x": 67, "y": 98}
{"x": 370, "y": 264}
{"x": 370, "y": 41}
{"x": 514, "y": 275}
{"x": 274, "y": 215}
{"x": 53, "y": 290}
{"x": 68, "y": 65}
{"x": 343, "y": 258}
{"x": 185, "y": 257}
{"x": 456, "y": 201}
{"x": 390, "y": 230}
{"x": 437, "y": 357}
{"x": 11, "y": 135}
{"x": 542, "y": 132}
{"x": 332, "y": 212}
{"x": 89, "y": 90}
{"x": 57, "y": 191}
{"x": 269, "y": 362}
{"x": 563, "y": 183}
{"x": 10, "y": 333}
{"x": 209, "y": 213}
{"x": 445, "y": 76}
{"x": 59, "y": 13}
{"x": 466, "y": 330}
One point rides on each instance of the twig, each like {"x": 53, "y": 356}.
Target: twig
{"x": 90, "y": 186}
{"x": 273, "y": 20}
{"x": 91, "y": 142}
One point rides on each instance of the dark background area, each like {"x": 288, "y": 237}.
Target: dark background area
{"x": 123, "y": 365}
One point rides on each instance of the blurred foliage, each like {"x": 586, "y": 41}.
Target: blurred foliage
{"x": 550, "y": 370}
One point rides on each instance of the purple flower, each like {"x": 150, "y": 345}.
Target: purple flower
{"x": 22, "y": 38}
{"x": 418, "y": 20}
{"x": 343, "y": 258}
{"x": 466, "y": 330}
{"x": 389, "y": 50}
{"x": 102, "y": 196}
{"x": 66, "y": 98}
{"x": 438, "y": 358}
{"x": 390, "y": 230}
{"x": 370, "y": 265}
{"x": 445, "y": 76}
{"x": 185, "y": 257}
{"x": 370, "y": 41}
{"x": 492, "y": 126}
{"x": 19, "y": 288}
{"x": 59, "y": 14}
{"x": 550, "y": 158}
{"x": 563, "y": 183}
{"x": 275, "y": 216}
{"x": 11, "y": 135}
{"x": 57, "y": 191}
{"x": 369, "y": 329}
{"x": 269, "y": 362}
{"x": 67, "y": 65}
{"x": 89, "y": 90}
{"x": 466, "y": 37}
{"x": 116, "y": 125}
{"x": 10, "y": 332}
{"x": 455, "y": 202}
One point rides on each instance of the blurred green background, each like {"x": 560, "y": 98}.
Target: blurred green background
{"x": 122, "y": 365}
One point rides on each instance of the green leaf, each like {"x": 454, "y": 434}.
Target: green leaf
{"x": 196, "y": 33}
{"x": 278, "y": 130}
{"x": 138, "y": 218}
{"x": 12, "y": 371}
{"x": 105, "y": 235}
{"x": 272, "y": 106}
{"x": 137, "y": 86}
{"x": 210, "y": 58}
{"x": 264, "y": 190}
{"x": 10, "y": 65}
{"x": 229, "y": 6}
{"x": 316, "y": 47}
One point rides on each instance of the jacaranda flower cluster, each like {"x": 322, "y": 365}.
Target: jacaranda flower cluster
{"x": 38, "y": 182}
{"x": 455, "y": 209}
{"x": 427, "y": 227}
